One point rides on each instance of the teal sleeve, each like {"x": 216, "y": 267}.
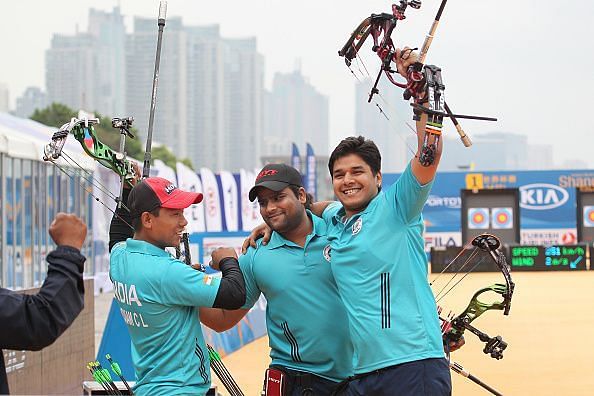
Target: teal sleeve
{"x": 331, "y": 211}
{"x": 252, "y": 291}
{"x": 183, "y": 285}
{"x": 408, "y": 196}
{"x": 118, "y": 247}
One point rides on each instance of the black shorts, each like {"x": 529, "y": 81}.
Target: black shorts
{"x": 428, "y": 377}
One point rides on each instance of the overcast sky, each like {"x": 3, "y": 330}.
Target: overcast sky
{"x": 528, "y": 62}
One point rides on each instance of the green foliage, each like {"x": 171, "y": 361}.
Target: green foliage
{"x": 57, "y": 114}
{"x": 54, "y": 115}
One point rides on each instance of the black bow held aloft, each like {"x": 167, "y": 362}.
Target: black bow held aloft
{"x": 423, "y": 82}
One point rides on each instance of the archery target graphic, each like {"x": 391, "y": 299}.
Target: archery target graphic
{"x": 588, "y": 216}
{"x": 502, "y": 218}
{"x": 478, "y": 218}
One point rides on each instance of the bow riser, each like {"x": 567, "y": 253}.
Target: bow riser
{"x": 102, "y": 153}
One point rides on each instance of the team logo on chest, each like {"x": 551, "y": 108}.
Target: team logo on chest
{"x": 357, "y": 226}
{"x": 327, "y": 253}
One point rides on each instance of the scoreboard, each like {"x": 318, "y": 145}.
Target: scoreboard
{"x": 519, "y": 257}
{"x": 547, "y": 258}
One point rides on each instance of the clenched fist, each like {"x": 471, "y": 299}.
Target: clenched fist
{"x": 219, "y": 254}
{"x": 68, "y": 230}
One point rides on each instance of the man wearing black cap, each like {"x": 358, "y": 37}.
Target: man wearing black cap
{"x": 306, "y": 321}
{"x": 158, "y": 294}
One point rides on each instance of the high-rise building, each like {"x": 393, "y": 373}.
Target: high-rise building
{"x": 32, "y": 99}
{"x": 205, "y": 138}
{"x": 243, "y": 89}
{"x": 170, "y": 122}
{"x": 109, "y": 32}
{"x": 295, "y": 112}
{"x": 86, "y": 70}
{"x": 4, "y": 98}
{"x": 70, "y": 70}
{"x": 209, "y": 95}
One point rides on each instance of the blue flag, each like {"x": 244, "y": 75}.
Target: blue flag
{"x": 295, "y": 158}
{"x": 310, "y": 174}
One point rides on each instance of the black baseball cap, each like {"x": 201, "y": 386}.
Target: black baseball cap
{"x": 276, "y": 177}
{"x": 156, "y": 192}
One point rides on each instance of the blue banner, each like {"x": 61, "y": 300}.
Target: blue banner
{"x": 310, "y": 174}
{"x": 547, "y": 198}
{"x": 295, "y": 158}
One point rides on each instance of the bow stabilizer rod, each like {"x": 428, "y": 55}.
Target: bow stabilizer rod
{"x": 149, "y": 138}
{"x": 456, "y": 367}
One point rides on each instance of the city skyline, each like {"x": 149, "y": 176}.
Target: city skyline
{"x": 212, "y": 107}
{"x": 495, "y": 63}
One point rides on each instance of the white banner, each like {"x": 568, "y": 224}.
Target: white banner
{"x": 548, "y": 236}
{"x": 209, "y": 244}
{"x": 442, "y": 239}
{"x": 212, "y": 207}
{"x": 244, "y": 188}
{"x": 250, "y": 211}
{"x": 230, "y": 201}
{"x": 189, "y": 181}
{"x": 106, "y": 188}
{"x": 159, "y": 169}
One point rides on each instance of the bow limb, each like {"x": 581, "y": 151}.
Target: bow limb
{"x": 454, "y": 328}
{"x": 490, "y": 243}
{"x": 84, "y": 133}
{"x": 351, "y": 48}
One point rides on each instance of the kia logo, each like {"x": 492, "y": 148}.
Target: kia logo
{"x": 542, "y": 196}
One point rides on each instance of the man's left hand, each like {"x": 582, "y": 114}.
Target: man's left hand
{"x": 455, "y": 345}
{"x": 405, "y": 58}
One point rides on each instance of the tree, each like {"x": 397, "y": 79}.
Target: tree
{"x": 57, "y": 114}
{"x": 54, "y": 115}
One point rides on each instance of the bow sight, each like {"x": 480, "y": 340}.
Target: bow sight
{"x": 123, "y": 123}
{"x": 416, "y": 4}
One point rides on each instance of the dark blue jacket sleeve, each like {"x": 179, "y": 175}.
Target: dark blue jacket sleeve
{"x": 32, "y": 322}
{"x": 35, "y": 321}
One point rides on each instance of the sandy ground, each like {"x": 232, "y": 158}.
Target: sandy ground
{"x": 549, "y": 330}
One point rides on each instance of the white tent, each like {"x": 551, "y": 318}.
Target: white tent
{"x": 24, "y": 138}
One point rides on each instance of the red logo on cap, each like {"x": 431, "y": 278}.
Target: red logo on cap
{"x": 267, "y": 172}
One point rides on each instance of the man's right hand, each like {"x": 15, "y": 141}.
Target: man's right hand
{"x": 68, "y": 230}
{"x": 219, "y": 254}
{"x": 137, "y": 176}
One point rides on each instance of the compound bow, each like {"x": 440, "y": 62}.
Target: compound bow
{"x": 423, "y": 82}
{"x": 453, "y": 327}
